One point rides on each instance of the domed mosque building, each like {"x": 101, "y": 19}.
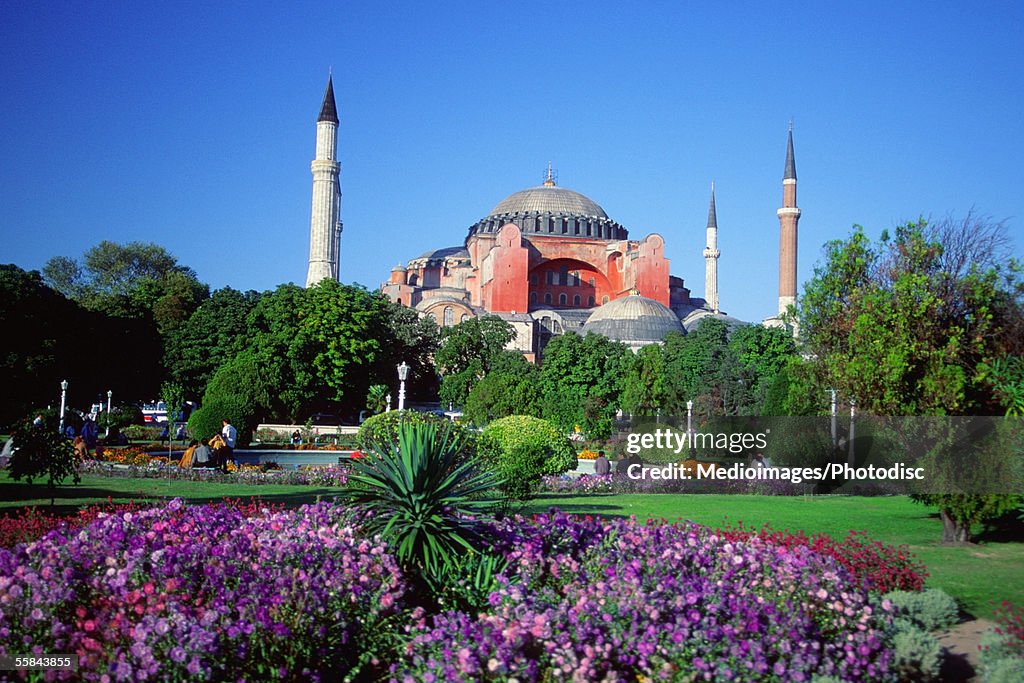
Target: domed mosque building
{"x": 550, "y": 260}
{"x": 546, "y": 259}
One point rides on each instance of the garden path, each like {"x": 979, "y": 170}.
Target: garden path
{"x": 961, "y": 643}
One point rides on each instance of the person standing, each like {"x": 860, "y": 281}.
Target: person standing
{"x": 90, "y": 433}
{"x": 229, "y": 434}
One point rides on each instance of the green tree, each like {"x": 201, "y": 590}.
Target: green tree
{"x": 214, "y": 334}
{"x": 377, "y": 398}
{"x": 581, "y": 382}
{"x": 510, "y": 388}
{"x": 41, "y": 451}
{"x": 902, "y": 325}
{"x": 466, "y": 352}
{"x": 241, "y": 391}
{"x": 644, "y": 387}
{"x": 347, "y": 334}
{"x": 129, "y": 280}
{"x": 762, "y": 352}
{"x": 907, "y": 325}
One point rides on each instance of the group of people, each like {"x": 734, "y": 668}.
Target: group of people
{"x": 215, "y": 452}
{"x": 603, "y": 466}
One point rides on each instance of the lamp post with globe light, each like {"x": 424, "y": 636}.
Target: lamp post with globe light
{"x": 403, "y": 373}
{"x": 110, "y": 395}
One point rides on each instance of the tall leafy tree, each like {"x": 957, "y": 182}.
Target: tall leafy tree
{"x": 902, "y": 325}
{"x": 466, "y": 353}
{"x": 581, "y": 381}
{"x": 214, "y": 334}
{"x": 907, "y": 326}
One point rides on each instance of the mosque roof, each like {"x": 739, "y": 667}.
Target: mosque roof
{"x": 549, "y": 199}
{"x": 633, "y": 318}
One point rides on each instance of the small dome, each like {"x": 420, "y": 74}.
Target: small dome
{"x": 549, "y": 199}
{"x": 634, "y": 319}
{"x": 399, "y": 269}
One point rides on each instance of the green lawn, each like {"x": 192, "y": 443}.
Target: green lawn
{"x": 97, "y": 489}
{"x": 978, "y": 576}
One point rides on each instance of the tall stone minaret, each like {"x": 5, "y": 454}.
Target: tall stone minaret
{"x": 325, "y": 223}
{"x": 711, "y": 254}
{"x": 789, "y": 216}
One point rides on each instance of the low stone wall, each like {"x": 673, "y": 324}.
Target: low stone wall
{"x": 286, "y": 431}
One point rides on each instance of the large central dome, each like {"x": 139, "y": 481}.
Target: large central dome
{"x": 549, "y": 199}
{"x": 551, "y": 211}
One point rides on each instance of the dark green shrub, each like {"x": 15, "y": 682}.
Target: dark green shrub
{"x": 383, "y": 427}
{"x": 143, "y": 432}
{"x": 208, "y": 419}
{"x": 930, "y": 610}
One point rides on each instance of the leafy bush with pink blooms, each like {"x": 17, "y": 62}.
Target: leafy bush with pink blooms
{"x": 199, "y": 593}
{"x": 593, "y": 600}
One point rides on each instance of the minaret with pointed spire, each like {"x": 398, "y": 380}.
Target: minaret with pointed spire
{"x": 711, "y": 255}
{"x": 789, "y": 216}
{"x": 325, "y": 223}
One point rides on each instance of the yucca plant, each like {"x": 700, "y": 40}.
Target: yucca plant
{"x": 421, "y": 496}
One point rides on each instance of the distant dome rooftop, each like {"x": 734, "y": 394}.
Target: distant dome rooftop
{"x": 634, "y": 320}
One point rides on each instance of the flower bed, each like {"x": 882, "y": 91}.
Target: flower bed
{"x": 618, "y": 600}
{"x": 326, "y": 475}
{"x": 621, "y": 483}
{"x": 207, "y": 592}
{"x": 882, "y": 567}
{"x": 198, "y": 593}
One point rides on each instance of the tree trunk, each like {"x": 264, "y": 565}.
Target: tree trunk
{"x": 954, "y": 531}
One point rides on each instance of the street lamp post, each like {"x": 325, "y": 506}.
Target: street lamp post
{"x": 388, "y": 397}
{"x": 835, "y": 419}
{"x": 689, "y": 419}
{"x": 110, "y": 395}
{"x": 403, "y": 373}
{"x": 853, "y": 411}
{"x": 63, "y": 396}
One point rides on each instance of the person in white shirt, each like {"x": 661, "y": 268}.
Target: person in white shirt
{"x": 229, "y": 433}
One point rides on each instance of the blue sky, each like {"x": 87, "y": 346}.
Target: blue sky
{"x": 193, "y": 125}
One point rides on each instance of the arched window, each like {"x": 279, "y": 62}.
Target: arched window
{"x": 561, "y": 299}
{"x": 591, "y": 282}
{"x": 576, "y": 279}
{"x": 533, "y": 278}
{"x": 414, "y": 279}
{"x": 449, "y": 316}
{"x": 604, "y": 300}
{"x": 547, "y": 298}
{"x": 464, "y": 318}
{"x": 533, "y": 297}
{"x": 576, "y": 301}
{"x": 563, "y": 275}
{"x": 590, "y": 301}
